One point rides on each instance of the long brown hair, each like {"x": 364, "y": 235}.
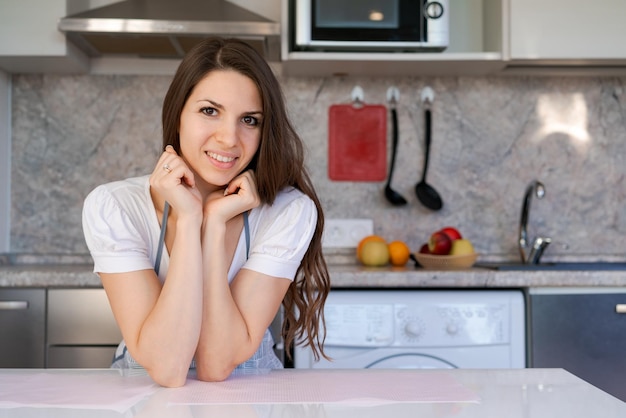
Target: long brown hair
{"x": 278, "y": 163}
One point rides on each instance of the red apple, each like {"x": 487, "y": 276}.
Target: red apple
{"x": 452, "y": 233}
{"x": 424, "y": 249}
{"x": 439, "y": 243}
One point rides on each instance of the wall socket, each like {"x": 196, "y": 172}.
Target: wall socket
{"x": 346, "y": 233}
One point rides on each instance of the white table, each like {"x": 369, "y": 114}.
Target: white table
{"x": 517, "y": 393}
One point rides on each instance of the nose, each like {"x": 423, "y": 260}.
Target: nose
{"x": 226, "y": 133}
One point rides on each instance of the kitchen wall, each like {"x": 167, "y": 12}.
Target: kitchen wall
{"x": 491, "y": 137}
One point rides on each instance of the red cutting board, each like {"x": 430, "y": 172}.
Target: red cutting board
{"x": 357, "y": 142}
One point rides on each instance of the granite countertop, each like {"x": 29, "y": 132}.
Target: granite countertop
{"x": 48, "y": 275}
{"x": 347, "y": 276}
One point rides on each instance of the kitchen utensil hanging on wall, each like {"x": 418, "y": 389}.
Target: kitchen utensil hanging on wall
{"x": 427, "y": 194}
{"x": 393, "y": 196}
{"x": 357, "y": 140}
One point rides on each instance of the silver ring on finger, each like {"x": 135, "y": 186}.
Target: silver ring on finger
{"x": 167, "y": 168}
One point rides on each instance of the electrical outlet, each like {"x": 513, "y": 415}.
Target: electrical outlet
{"x": 346, "y": 233}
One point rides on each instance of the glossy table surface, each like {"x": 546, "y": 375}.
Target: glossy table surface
{"x": 516, "y": 393}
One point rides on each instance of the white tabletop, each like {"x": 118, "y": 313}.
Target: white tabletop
{"x": 517, "y": 393}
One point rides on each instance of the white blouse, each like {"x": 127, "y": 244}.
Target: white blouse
{"x": 122, "y": 231}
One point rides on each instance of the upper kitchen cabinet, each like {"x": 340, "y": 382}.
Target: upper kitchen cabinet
{"x": 476, "y": 30}
{"x": 30, "y": 41}
{"x": 572, "y": 34}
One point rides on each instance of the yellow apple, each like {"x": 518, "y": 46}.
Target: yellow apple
{"x": 461, "y": 246}
{"x": 375, "y": 254}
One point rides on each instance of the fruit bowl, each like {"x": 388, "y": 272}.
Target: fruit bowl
{"x": 446, "y": 262}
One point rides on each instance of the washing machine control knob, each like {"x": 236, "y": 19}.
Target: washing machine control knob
{"x": 412, "y": 329}
{"x": 452, "y": 329}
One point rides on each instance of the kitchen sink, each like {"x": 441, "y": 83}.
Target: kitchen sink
{"x": 560, "y": 266}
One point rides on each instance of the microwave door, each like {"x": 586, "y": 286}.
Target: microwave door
{"x": 364, "y": 24}
{"x": 345, "y": 22}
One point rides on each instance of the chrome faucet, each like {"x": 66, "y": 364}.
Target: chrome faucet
{"x": 540, "y": 243}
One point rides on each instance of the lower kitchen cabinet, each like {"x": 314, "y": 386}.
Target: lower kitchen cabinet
{"x": 56, "y": 328}
{"x": 22, "y": 326}
{"x": 583, "y": 332}
{"x": 82, "y": 332}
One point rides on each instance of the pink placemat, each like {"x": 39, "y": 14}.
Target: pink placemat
{"x": 110, "y": 391}
{"x": 365, "y": 387}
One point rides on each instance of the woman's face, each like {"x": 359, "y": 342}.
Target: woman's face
{"x": 220, "y": 127}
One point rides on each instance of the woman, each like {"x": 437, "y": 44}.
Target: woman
{"x": 197, "y": 257}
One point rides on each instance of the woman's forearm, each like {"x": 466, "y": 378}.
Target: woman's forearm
{"x": 224, "y": 339}
{"x": 169, "y": 336}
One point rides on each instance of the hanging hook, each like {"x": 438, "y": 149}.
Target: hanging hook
{"x": 357, "y": 96}
{"x": 428, "y": 95}
{"x": 393, "y": 95}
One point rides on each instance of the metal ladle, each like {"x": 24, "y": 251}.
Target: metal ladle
{"x": 426, "y": 194}
{"x": 392, "y": 196}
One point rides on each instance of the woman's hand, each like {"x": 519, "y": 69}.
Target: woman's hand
{"x": 175, "y": 182}
{"x": 239, "y": 196}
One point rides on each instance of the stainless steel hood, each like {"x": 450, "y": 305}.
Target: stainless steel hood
{"x": 166, "y": 28}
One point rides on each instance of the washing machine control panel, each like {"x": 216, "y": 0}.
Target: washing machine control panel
{"x": 368, "y": 325}
{"x": 450, "y": 325}
{"x": 416, "y": 325}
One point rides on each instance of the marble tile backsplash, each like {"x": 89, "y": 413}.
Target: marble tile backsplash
{"x": 491, "y": 137}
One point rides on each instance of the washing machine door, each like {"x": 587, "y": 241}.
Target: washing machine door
{"x": 410, "y": 361}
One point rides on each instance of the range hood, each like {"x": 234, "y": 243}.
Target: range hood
{"x": 166, "y": 28}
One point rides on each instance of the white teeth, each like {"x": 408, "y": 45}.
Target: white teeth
{"x": 220, "y": 158}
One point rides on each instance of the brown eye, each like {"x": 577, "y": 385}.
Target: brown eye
{"x": 250, "y": 120}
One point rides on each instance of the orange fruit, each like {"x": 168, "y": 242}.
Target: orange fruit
{"x": 399, "y": 253}
{"x": 359, "y": 248}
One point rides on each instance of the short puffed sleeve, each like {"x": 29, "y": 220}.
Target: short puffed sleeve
{"x": 283, "y": 235}
{"x": 116, "y": 241}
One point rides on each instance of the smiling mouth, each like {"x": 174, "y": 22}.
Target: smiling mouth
{"x": 220, "y": 158}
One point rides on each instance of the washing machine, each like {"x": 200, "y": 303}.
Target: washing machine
{"x": 425, "y": 329}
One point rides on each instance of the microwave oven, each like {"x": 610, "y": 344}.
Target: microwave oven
{"x": 369, "y": 25}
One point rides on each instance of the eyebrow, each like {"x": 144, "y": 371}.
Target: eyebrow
{"x": 220, "y": 106}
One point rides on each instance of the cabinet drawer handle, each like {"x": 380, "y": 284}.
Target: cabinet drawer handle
{"x": 620, "y": 308}
{"x": 13, "y": 305}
